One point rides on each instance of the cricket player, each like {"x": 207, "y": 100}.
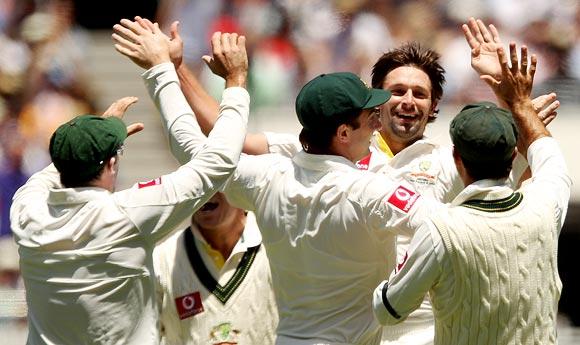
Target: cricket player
{"x": 399, "y": 148}
{"x": 86, "y": 249}
{"x": 213, "y": 280}
{"x": 489, "y": 260}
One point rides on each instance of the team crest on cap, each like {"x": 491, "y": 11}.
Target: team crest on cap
{"x": 189, "y": 305}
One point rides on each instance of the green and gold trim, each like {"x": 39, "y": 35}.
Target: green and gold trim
{"x": 222, "y": 293}
{"x": 499, "y": 205}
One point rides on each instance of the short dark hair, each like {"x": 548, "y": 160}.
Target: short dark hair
{"x": 411, "y": 54}
{"x": 71, "y": 179}
{"x": 318, "y": 141}
{"x": 479, "y": 171}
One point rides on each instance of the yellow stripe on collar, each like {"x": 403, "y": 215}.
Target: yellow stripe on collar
{"x": 215, "y": 255}
{"x": 383, "y": 146}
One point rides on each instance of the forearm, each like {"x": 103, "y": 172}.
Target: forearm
{"x": 184, "y": 135}
{"x": 204, "y": 106}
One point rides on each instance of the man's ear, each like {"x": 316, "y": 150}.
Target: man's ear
{"x": 434, "y": 112}
{"x": 112, "y": 164}
{"x": 343, "y": 133}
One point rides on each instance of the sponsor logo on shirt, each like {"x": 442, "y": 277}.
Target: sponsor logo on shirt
{"x": 153, "y": 182}
{"x": 364, "y": 163}
{"x": 403, "y": 198}
{"x": 188, "y": 305}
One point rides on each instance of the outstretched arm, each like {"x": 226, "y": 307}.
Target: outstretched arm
{"x": 484, "y": 42}
{"x": 204, "y": 106}
{"x": 514, "y": 89}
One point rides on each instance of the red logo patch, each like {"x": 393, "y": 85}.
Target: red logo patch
{"x": 153, "y": 182}
{"x": 188, "y": 305}
{"x": 403, "y": 198}
{"x": 363, "y": 164}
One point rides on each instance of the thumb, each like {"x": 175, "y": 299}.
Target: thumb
{"x": 174, "y": 31}
{"x": 208, "y": 60}
{"x": 134, "y": 128}
{"x": 489, "y": 80}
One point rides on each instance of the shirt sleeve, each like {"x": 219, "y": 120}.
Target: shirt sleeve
{"x": 33, "y": 194}
{"x": 157, "y": 206}
{"x": 550, "y": 174}
{"x": 395, "y": 299}
{"x": 283, "y": 143}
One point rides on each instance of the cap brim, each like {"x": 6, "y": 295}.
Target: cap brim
{"x": 378, "y": 97}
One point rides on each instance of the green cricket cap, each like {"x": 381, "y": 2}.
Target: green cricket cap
{"x": 484, "y": 133}
{"x": 330, "y": 97}
{"x": 82, "y": 145}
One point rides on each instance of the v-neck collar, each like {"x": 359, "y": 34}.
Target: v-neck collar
{"x": 222, "y": 293}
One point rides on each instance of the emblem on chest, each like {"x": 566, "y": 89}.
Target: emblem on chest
{"x": 423, "y": 174}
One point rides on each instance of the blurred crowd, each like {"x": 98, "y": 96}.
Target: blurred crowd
{"x": 43, "y": 58}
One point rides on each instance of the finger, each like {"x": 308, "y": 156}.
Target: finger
{"x": 483, "y": 29}
{"x": 135, "y": 128}
{"x": 534, "y": 62}
{"x": 475, "y": 29}
{"x": 549, "y": 118}
{"x": 242, "y": 45}
{"x": 542, "y": 101}
{"x": 145, "y": 23}
{"x": 471, "y": 41}
{"x": 234, "y": 41}
{"x": 551, "y": 108}
{"x": 225, "y": 40}
{"x": 125, "y": 51}
{"x": 501, "y": 55}
{"x": 120, "y": 106}
{"x": 216, "y": 45}
{"x": 514, "y": 58}
{"x": 156, "y": 29}
{"x": 133, "y": 26}
{"x": 494, "y": 33}
{"x": 524, "y": 58}
{"x": 123, "y": 31}
{"x": 124, "y": 42}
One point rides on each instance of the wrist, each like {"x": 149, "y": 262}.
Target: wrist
{"x": 236, "y": 80}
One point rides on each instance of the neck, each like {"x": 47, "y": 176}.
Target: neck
{"x": 396, "y": 146}
{"x": 224, "y": 237}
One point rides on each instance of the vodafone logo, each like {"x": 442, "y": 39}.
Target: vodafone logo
{"x": 188, "y": 305}
{"x": 153, "y": 182}
{"x": 403, "y": 198}
{"x": 364, "y": 163}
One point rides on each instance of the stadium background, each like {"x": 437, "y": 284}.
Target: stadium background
{"x": 57, "y": 60}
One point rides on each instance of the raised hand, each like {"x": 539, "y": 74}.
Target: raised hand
{"x": 229, "y": 59}
{"x": 516, "y": 80}
{"x": 483, "y": 43}
{"x": 546, "y": 106}
{"x": 118, "y": 109}
{"x": 146, "y": 47}
{"x": 175, "y": 41}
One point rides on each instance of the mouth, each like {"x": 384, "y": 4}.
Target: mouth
{"x": 209, "y": 206}
{"x": 405, "y": 116}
